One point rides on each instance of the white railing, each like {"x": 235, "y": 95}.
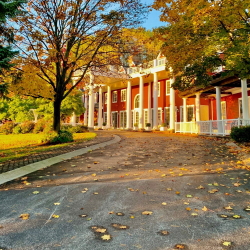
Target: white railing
{"x": 217, "y": 127}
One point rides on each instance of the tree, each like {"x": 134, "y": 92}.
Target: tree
{"x": 8, "y": 9}
{"x": 202, "y": 35}
{"x": 70, "y": 38}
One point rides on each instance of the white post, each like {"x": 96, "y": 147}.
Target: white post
{"x": 244, "y": 96}
{"x": 149, "y": 103}
{"x": 100, "y": 108}
{"x": 197, "y": 107}
{"x": 86, "y": 110}
{"x": 141, "y": 115}
{"x": 218, "y": 109}
{"x": 184, "y": 109}
{"x": 129, "y": 121}
{"x": 155, "y": 91}
{"x": 91, "y": 104}
{"x": 73, "y": 119}
{"x": 172, "y": 105}
{"x": 108, "y": 106}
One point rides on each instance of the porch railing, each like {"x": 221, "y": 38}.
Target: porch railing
{"x": 216, "y": 127}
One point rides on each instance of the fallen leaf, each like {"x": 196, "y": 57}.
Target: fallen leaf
{"x": 106, "y": 237}
{"x": 36, "y": 192}
{"x": 188, "y": 209}
{"x": 204, "y": 208}
{"x": 177, "y": 192}
{"x": 132, "y": 216}
{"x": 101, "y": 230}
{"x": 213, "y": 191}
{"x": 147, "y": 213}
{"x": 189, "y": 196}
{"x": 236, "y": 216}
{"x": 227, "y": 243}
{"x": 24, "y": 216}
{"x": 55, "y": 216}
{"x": 228, "y": 208}
{"x": 194, "y": 214}
{"x": 120, "y": 214}
{"x": 83, "y": 215}
{"x": 200, "y": 187}
{"x": 94, "y": 175}
{"x": 56, "y": 203}
{"x": 164, "y": 203}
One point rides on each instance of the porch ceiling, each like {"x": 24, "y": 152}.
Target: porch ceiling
{"x": 229, "y": 85}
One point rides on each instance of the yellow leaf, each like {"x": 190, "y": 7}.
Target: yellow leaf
{"x": 106, "y": 237}
{"x": 55, "y": 216}
{"x": 227, "y": 243}
{"x": 236, "y": 216}
{"x": 147, "y": 213}
{"x": 194, "y": 214}
{"x": 177, "y": 192}
{"x": 164, "y": 203}
{"x": 188, "y": 209}
{"x": 132, "y": 216}
{"x": 228, "y": 208}
{"x": 100, "y": 230}
{"x": 94, "y": 175}
{"x": 24, "y": 216}
{"x": 204, "y": 208}
{"x": 36, "y": 192}
{"x": 56, "y": 203}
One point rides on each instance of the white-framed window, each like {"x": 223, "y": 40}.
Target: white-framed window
{"x": 167, "y": 115}
{"x": 168, "y": 86}
{"x": 105, "y": 117}
{"x": 159, "y": 89}
{"x": 190, "y": 113}
{"x": 159, "y": 116}
{"x": 240, "y": 107}
{"x": 114, "y": 96}
{"x": 137, "y": 101}
{"x": 123, "y": 95}
{"x": 123, "y": 119}
{"x": 161, "y": 61}
{"x": 146, "y": 116}
{"x": 106, "y": 98}
{"x": 223, "y": 110}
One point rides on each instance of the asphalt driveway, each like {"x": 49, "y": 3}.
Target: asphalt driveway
{"x": 149, "y": 191}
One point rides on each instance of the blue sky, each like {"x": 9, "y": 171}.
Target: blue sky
{"x": 153, "y": 19}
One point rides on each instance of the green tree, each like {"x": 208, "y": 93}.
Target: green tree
{"x": 70, "y": 38}
{"x": 8, "y": 9}
{"x": 201, "y": 35}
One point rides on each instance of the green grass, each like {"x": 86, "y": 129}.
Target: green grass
{"x": 14, "y": 146}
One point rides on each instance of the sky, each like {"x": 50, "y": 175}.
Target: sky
{"x": 153, "y": 19}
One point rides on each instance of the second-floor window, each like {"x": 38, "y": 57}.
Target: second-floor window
{"x": 123, "y": 95}
{"x": 114, "y": 97}
{"x": 168, "y": 86}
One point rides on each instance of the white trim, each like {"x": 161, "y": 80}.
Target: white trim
{"x": 138, "y": 95}
{"x": 159, "y": 89}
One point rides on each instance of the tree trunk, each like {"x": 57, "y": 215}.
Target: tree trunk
{"x": 57, "y": 115}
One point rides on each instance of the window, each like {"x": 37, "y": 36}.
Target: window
{"x": 223, "y": 110}
{"x": 161, "y": 61}
{"x": 106, "y": 98}
{"x": 190, "y": 113}
{"x": 159, "y": 116}
{"x": 167, "y": 115}
{"x": 123, "y": 119}
{"x": 105, "y": 117}
{"x": 159, "y": 89}
{"x": 168, "y": 86}
{"x": 123, "y": 95}
{"x": 137, "y": 101}
{"x": 114, "y": 97}
{"x": 146, "y": 116}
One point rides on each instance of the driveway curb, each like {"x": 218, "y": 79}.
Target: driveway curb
{"x": 19, "y": 172}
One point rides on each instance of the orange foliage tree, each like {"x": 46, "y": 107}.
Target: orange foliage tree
{"x": 63, "y": 38}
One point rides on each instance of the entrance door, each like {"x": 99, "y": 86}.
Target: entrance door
{"x": 115, "y": 119}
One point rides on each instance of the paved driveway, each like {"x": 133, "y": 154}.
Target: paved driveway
{"x": 149, "y": 191}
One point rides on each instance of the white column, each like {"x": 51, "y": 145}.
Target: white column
{"x": 108, "y": 106}
{"x": 91, "y": 107}
{"x": 218, "y": 103}
{"x": 128, "y": 104}
{"x": 149, "y": 103}
{"x": 172, "y": 106}
{"x": 184, "y": 109}
{"x": 218, "y": 109}
{"x": 86, "y": 110}
{"x": 244, "y": 96}
{"x": 141, "y": 113}
{"x": 197, "y": 106}
{"x": 100, "y": 108}
{"x": 155, "y": 93}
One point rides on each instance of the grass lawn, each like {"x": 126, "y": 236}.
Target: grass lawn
{"x": 14, "y": 146}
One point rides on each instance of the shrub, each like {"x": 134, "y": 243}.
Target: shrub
{"x": 135, "y": 124}
{"x": 27, "y": 127}
{"x": 75, "y": 129}
{"x": 39, "y": 126}
{"x": 104, "y": 124}
{"x": 55, "y": 138}
{"x": 17, "y": 129}
{"x": 241, "y": 134}
{"x": 7, "y": 128}
{"x": 148, "y": 124}
{"x": 48, "y": 127}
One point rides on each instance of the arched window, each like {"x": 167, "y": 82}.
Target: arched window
{"x": 137, "y": 101}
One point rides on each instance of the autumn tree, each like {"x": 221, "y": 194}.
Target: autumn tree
{"x": 201, "y": 35}
{"x": 8, "y": 9}
{"x": 63, "y": 39}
